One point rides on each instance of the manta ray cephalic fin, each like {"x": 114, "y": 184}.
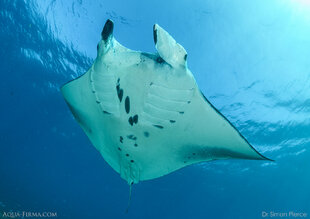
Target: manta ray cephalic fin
{"x": 168, "y": 49}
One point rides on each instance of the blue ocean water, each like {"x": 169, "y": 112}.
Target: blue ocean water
{"x": 251, "y": 60}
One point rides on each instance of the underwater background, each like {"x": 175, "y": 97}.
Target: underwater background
{"x": 251, "y": 59}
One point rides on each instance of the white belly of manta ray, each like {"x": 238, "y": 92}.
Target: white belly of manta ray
{"x": 145, "y": 113}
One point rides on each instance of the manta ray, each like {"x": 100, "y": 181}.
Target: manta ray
{"x": 145, "y": 113}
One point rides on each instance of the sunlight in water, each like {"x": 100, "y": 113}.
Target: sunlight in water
{"x": 303, "y": 2}
{"x": 301, "y": 8}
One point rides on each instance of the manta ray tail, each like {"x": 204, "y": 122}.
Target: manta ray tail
{"x": 129, "y": 200}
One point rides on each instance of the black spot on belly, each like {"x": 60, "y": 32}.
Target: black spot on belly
{"x": 119, "y": 149}
{"x": 132, "y": 161}
{"x": 121, "y": 139}
{"x": 159, "y": 60}
{"x": 135, "y": 119}
{"x": 97, "y": 101}
{"x": 158, "y": 126}
{"x": 181, "y": 112}
{"x": 120, "y": 95}
{"x": 130, "y": 120}
{"x": 132, "y": 137}
{"x": 127, "y": 155}
{"x": 127, "y": 105}
{"x": 146, "y": 134}
{"x": 136, "y": 145}
{"x": 120, "y": 92}
{"x": 172, "y": 121}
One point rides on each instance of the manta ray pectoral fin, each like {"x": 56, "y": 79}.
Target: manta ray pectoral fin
{"x": 78, "y": 99}
{"x": 215, "y": 137}
{"x": 168, "y": 49}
